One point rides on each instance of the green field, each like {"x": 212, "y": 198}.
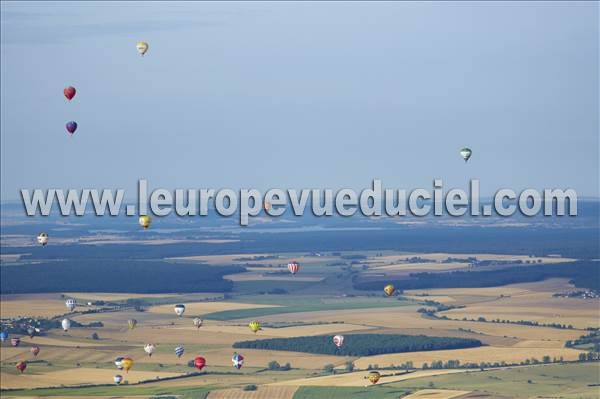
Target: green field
{"x": 371, "y": 392}
{"x": 554, "y": 380}
{"x": 292, "y": 304}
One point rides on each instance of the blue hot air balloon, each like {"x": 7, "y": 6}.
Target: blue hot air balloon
{"x": 179, "y": 351}
{"x": 3, "y": 336}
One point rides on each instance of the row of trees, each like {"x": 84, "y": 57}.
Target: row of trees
{"x": 361, "y": 344}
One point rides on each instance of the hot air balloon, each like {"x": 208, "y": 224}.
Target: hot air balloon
{"x": 238, "y": 360}
{"x": 145, "y": 221}
{"x": 267, "y": 206}
{"x": 389, "y": 289}
{"x": 338, "y": 340}
{"x": 119, "y": 363}
{"x": 179, "y": 351}
{"x": 70, "y": 304}
{"x": 21, "y": 366}
{"x": 15, "y": 341}
{"x": 3, "y": 336}
{"x": 465, "y": 153}
{"x": 35, "y": 350}
{"x": 149, "y": 349}
{"x": 198, "y": 322}
{"x": 254, "y": 326}
{"x": 118, "y": 379}
{"x": 127, "y": 363}
{"x": 199, "y": 362}
{"x": 30, "y": 331}
{"x": 374, "y": 376}
{"x": 142, "y": 48}
{"x": 69, "y": 92}
{"x": 71, "y": 127}
{"x": 179, "y": 309}
{"x": 131, "y": 323}
{"x": 42, "y": 239}
{"x": 293, "y": 267}
{"x": 66, "y": 324}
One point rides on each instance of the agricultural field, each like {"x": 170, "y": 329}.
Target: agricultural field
{"x": 75, "y": 359}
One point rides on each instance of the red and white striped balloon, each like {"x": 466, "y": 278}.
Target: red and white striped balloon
{"x": 293, "y": 267}
{"x": 338, "y": 340}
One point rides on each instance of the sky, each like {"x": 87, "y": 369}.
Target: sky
{"x": 300, "y": 95}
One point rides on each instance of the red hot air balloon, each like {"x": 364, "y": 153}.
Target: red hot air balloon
{"x": 69, "y": 92}
{"x": 293, "y": 267}
{"x": 35, "y": 350}
{"x": 199, "y": 362}
{"x": 21, "y": 366}
{"x": 15, "y": 341}
{"x": 71, "y": 127}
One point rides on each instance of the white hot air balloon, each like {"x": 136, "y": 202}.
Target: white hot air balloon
{"x": 118, "y": 379}
{"x": 66, "y": 324}
{"x": 149, "y": 348}
{"x": 179, "y": 309}
{"x": 42, "y": 238}
{"x": 338, "y": 340}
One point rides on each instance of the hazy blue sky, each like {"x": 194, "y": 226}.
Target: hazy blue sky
{"x": 295, "y": 95}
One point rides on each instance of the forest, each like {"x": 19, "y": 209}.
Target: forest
{"x": 584, "y": 274}
{"x": 360, "y": 344}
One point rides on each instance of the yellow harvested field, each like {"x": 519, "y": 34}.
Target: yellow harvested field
{"x": 263, "y": 392}
{"x": 34, "y": 305}
{"x": 359, "y": 378}
{"x": 223, "y": 259}
{"x": 438, "y": 257}
{"x": 200, "y": 308}
{"x": 436, "y": 394}
{"x": 415, "y": 267}
{"x": 75, "y": 376}
{"x": 475, "y": 355}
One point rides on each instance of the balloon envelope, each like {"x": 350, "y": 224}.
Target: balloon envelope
{"x": 389, "y": 289}
{"x": 118, "y": 379}
{"x": 465, "y": 153}
{"x": 145, "y": 221}
{"x": 69, "y": 92}
{"x": 338, "y": 340}
{"x": 179, "y": 309}
{"x": 179, "y": 351}
{"x": 199, "y": 362}
{"x": 254, "y": 326}
{"x": 21, "y": 366}
{"x": 142, "y": 48}
{"x": 42, "y": 238}
{"x": 71, "y": 127}
{"x": 35, "y": 350}
{"x": 127, "y": 363}
{"x": 15, "y": 341}
{"x": 198, "y": 322}
{"x": 238, "y": 360}
{"x": 3, "y": 336}
{"x": 149, "y": 349}
{"x": 293, "y": 267}
{"x": 374, "y": 376}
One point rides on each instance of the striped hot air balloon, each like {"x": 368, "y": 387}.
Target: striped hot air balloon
{"x": 15, "y": 341}
{"x": 293, "y": 267}
{"x": 338, "y": 340}
{"x": 131, "y": 323}
{"x": 179, "y": 351}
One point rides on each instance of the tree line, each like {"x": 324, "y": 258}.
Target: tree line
{"x": 360, "y": 344}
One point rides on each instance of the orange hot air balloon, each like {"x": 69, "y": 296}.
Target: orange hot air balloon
{"x": 21, "y": 366}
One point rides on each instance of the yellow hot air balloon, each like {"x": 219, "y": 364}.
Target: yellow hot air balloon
{"x": 389, "y": 289}
{"x": 127, "y": 363}
{"x": 254, "y": 326}
{"x": 145, "y": 221}
{"x": 374, "y": 376}
{"x": 142, "y": 48}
